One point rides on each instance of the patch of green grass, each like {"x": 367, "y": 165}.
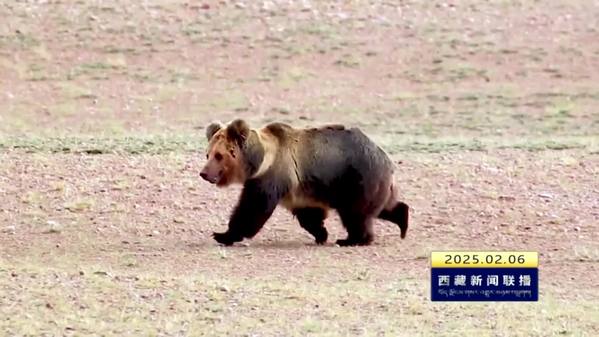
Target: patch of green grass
{"x": 98, "y": 70}
{"x": 320, "y": 29}
{"x": 349, "y": 61}
{"x": 99, "y": 145}
{"x": 460, "y": 72}
{"x": 230, "y": 100}
{"x": 395, "y": 144}
{"x": 560, "y": 109}
{"x": 37, "y": 72}
{"x": 185, "y": 143}
{"x": 182, "y": 75}
{"x": 19, "y": 39}
{"x": 79, "y": 205}
{"x": 405, "y": 96}
{"x": 74, "y": 90}
{"x": 65, "y": 109}
{"x": 110, "y": 49}
{"x": 124, "y": 299}
{"x": 292, "y": 76}
{"x": 168, "y": 92}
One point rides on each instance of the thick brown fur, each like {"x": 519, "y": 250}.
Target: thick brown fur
{"x": 307, "y": 171}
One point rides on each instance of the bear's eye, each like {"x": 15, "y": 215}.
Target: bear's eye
{"x": 218, "y": 156}
{"x": 232, "y": 153}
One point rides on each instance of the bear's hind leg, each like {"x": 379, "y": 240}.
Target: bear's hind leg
{"x": 312, "y": 220}
{"x": 359, "y": 229}
{"x": 398, "y": 214}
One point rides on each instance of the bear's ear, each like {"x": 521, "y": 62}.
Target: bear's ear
{"x": 212, "y": 129}
{"x": 238, "y": 131}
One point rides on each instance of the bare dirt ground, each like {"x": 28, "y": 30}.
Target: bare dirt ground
{"x": 488, "y": 108}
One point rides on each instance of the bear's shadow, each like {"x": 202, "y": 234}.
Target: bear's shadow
{"x": 276, "y": 245}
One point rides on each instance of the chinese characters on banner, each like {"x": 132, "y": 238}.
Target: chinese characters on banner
{"x": 484, "y": 283}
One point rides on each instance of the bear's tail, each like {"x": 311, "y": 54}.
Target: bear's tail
{"x": 399, "y": 215}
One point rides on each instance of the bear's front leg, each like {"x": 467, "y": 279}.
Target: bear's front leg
{"x": 256, "y": 204}
{"x": 226, "y": 238}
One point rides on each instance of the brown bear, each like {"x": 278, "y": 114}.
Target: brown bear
{"x": 308, "y": 171}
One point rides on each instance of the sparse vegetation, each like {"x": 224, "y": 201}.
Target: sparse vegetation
{"x": 105, "y": 226}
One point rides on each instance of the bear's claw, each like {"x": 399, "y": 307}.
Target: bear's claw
{"x": 321, "y": 238}
{"x": 224, "y": 238}
{"x": 352, "y": 242}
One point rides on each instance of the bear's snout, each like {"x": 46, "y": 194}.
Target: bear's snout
{"x": 211, "y": 178}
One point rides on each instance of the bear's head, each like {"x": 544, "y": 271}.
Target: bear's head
{"x": 225, "y": 154}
